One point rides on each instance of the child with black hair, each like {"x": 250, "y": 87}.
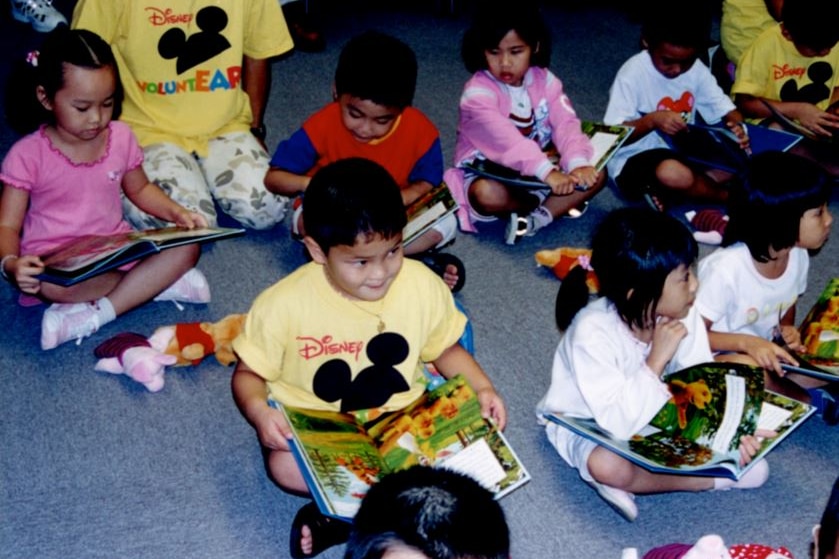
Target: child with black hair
{"x": 372, "y": 117}
{"x": 826, "y": 534}
{"x": 428, "y": 513}
{"x": 513, "y": 111}
{"x": 794, "y": 67}
{"x": 659, "y": 91}
{"x": 349, "y": 331}
{"x": 749, "y": 288}
{"x": 613, "y": 354}
{"x": 65, "y": 180}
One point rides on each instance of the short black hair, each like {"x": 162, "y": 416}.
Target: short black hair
{"x": 683, "y": 24}
{"x": 811, "y": 23}
{"x": 765, "y": 212}
{"x": 438, "y": 512}
{"x": 377, "y": 67}
{"x": 352, "y": 197}
{"x": 829, "y": 526}
{"x": 494, "y": 20}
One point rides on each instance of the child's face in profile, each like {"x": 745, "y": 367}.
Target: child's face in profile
{"x": 814, "y": 228}
{"x": 672, "y": 60}
{"x": 364, "y": 271}
{"x": 366, "y": 120}
{"x": 509, "y": 61}
{"x": 678, "y": 294}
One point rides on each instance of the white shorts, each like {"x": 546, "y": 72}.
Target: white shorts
{"x": 573, "y": 448}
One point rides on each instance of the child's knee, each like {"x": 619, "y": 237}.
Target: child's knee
{"x": 608, "y": 468}
{"x": 674, "y": 174}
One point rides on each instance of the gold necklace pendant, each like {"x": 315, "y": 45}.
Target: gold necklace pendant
{"x": 381, "y": 327}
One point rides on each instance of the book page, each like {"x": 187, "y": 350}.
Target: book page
{"x": 772, "y": 416}
{"x": 734, "y": 404}
{"x": 602, "y": 143}
{"x": 477, "y": 461}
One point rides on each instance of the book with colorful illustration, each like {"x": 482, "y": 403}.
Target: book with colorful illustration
{"x": 606, "y": 140}
{"x": 427, "y": 210}
{"x": 820, "y": 335}
{"x": 340, "y": 459}
{"x": 91, "y": 255}
{"x": 698, "y": 431}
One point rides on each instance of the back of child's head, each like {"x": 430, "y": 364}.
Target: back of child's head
{"x": 826, "y": 541}
{"x": 765, "y": 212}
{"x": 811, "y": 23}
{"x": 493, "y": 20}
{"x": 46, "y": 68}
{"x": 379, "y": 68}
{"x": 352, "y": 197}
{"x": 633, "y": 251}
{"x": 682, "y": 24}
{"x": 438, "y": 512}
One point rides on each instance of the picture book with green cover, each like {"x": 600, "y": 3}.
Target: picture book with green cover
{"x": 341, "y": 459}
{"x": 820, "y": 335}
{"x": 698, "y": 431}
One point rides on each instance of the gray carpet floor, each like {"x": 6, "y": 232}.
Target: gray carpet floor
{"x": 93, "y": 465}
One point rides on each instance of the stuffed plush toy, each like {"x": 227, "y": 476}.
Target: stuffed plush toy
{"x": 562, "y": 260}
{"x": 713, "y": 547}
{"x": 145, "y": 360}
{"x": 708, "y": 224}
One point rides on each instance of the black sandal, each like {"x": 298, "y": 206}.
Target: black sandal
{"x": 439, "y": 261}
{"x": 326, "y": 531}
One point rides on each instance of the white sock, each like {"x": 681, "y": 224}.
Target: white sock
{"x": 541, "y": 217}
{"x": 755, "y": 477}
{"x": 105, "y": 310}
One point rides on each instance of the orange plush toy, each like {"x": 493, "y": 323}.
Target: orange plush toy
{"x": 193, "y": 341}
{"x": 562, "y": 260}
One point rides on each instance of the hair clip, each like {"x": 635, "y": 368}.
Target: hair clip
{"x": 32, "y": 58}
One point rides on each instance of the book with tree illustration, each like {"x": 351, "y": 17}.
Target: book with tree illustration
{"x": 91, "y": 255}
{"x": 340, "y": 459}
{"x": 820, "y": 335}
{"x": 606, "y": 140}
{"x": 698, "y": 431}
{"x": 427, "y": 210}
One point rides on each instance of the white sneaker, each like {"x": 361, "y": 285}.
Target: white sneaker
{"x": 518, "y": 227}
{"x": 622, "y": 501}
{"x": 39, "y": 13}
{"x": 754, "y": 478}
{"x": 192, "y": 287}
{"x": 67, "y": 321}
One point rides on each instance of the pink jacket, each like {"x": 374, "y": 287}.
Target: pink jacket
{"x": 484, "y": 128}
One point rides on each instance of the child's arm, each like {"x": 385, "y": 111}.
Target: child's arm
{"x": 414, "y": 190}
{"x": 789, "y": 333}
{"x": 456, "y": 360}
{"x": 667, "y": 335}
{"x": 251, "y": 396}
{"x": 151, "y": 199}
{"x": 734, "y": 122}
{"x": 285, "y": 183}
{"x": 765, "y": 353}
{"x": 668, "y": 122}
{"x": 21, "y": 268}
{"x": 808, "y": 115}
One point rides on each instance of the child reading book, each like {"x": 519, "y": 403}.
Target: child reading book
{"x": 64, "y": 181}
{"x": 350, "y": 331}
{"x": 750, "y": 286}
{"x": 610, "y": 360}
{"x": 512, "y": 111}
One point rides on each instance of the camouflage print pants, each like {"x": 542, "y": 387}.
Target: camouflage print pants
{"x": 233, "y": 173}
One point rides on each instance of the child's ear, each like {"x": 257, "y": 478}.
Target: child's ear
{"x": 43, "y": 98}
{"x": 315, "y": 251}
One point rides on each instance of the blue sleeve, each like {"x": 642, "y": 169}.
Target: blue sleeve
{"x": 429, "y": 167}
{"x": 296, "y": 154}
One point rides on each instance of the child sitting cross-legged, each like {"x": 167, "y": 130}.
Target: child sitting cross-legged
{"x": 372, "y": 117}
{"x": 358, "y": 292}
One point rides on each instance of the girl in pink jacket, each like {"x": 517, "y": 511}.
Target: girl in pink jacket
{"x": 514, "y": 113}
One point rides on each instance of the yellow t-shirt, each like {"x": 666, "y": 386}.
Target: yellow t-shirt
{"x": 316, "y": 349}
{"x": 181, "y": 62}
{"x": 742, "y": 22}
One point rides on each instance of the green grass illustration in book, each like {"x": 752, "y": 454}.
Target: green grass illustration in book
{"x": 820, "y": 333}
{"x": 698, "y": 431}
{"x": 340, "y": 459}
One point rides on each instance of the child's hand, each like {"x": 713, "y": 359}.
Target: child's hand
{"x": 492, "y": 406}
{"x": 560, "y": 183}
{"x": 816, "y": 120}
{"x": 792, "y": 337}
{"x": 185, "y": 218}
{"x": 271, "y": 428}
{"x": 738, "y": 127}
{"x": 585, "y": 176}
{"x": 767, "y": 354}
{"x": 24, "y": 270}
{"x": 750, "y": 444}
{"x": 669, "y": 122}
{"x": 667, "y": 335}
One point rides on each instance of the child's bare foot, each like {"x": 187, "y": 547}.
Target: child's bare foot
{"x": 447, "y": 266}
{"x": 312, "y": 532}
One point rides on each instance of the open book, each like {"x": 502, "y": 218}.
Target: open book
{"x": 717, "y": 147}
{"x": 340, "y": 459}
{"x": 427, "y": 210}
{"x": 698, "y": 432}
{"x": 605, "y": 139}
{"x": 797, "y": 128}
{"x": 91, "y": 255}
{"x": 820, "y": 335}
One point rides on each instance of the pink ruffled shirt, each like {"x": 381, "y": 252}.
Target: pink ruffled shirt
{"x": 66, "y": 199}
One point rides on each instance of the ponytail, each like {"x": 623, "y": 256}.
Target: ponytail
{"x": 572, "y": 296}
